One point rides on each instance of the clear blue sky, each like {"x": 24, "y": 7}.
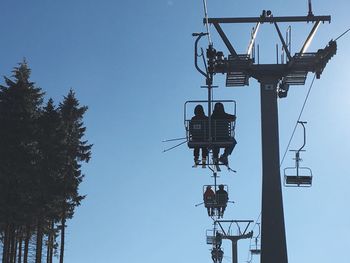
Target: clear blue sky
{"x": 131, "y": 62}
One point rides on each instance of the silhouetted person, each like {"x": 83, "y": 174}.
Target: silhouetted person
{"x": 202, "y": 119}
{"x": 218, "y": 239}
{"x": 209, "y": 198}
{"x": 221, "y": 200}
{"x": 221, "y": 119}
{"x": 217, "y": 255}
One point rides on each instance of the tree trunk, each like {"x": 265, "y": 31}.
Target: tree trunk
{"x": 12, "y": 243}
{"x": 26, "y": 245}
{"x": 48, "y": 247}
{"x": 39, "y": 241}
{"x": 50, "y": 243}
{"x": 53, "y": 241}
{"x": 20, "y": 241}
{"x": 63, "y": 227}
{"x": 5, "y": 248}
{"x": 14, "y": 254}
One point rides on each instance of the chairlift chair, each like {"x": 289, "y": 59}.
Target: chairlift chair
{"x": 298, "y": 176}
{"x": 197, "y": 131}
{"x": 214, "y": 204}
{"x": 255, "y": 251}
{"x": 255, "y": 248}
{"x": 211, "y": 236}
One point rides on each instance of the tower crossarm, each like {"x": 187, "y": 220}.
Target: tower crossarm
{"x": 298, "y": 66}
{"x": 240, "y": 67}
{"x": 269, "y": 19}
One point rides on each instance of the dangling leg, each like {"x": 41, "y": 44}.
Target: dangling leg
{"x": 196, "y": 156}
{"x": 227, "y": 152}
{"x": 204, "y": 156}
{"x": 222, "y": 210}
{"x": 216, "y": 151}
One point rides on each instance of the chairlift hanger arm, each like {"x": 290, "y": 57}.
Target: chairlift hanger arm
{"x": 271, "y": 19}
{"x": 259, "y": 231}
{"x": 199, "y": 36}
{"x": 304, "y": 130}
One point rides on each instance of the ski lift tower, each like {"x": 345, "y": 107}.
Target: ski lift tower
{"x": 274, "y": 80}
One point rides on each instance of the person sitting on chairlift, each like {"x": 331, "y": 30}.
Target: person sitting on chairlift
{"x": 199, "y": 115}
{"x": 217, "y": 254}
{"x": 218, "y": 115}
{"x": 209, "y": 199}
{"x": 218, "y": 239}
{"x": 221, "y": 199}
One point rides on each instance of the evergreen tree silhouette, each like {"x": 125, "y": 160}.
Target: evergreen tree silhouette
{"x": 41, "y": 152}
{"x": 20, "y": 103}
{"x": 76, "y": 150}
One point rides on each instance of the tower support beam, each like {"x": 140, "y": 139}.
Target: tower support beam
{"x": 273, "y": 238}
{"x": 234, "y": 241}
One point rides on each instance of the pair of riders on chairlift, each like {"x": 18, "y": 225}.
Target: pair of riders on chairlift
{"x": 217, "y": 200}
{"x": 216, "y": 253}
{"x": 218, "y": 114}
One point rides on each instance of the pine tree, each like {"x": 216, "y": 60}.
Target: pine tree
{"x": 41, "y": 154}
{"x": 50, "y": 150}
{"x": 77, "y": 150}
{"x": 20, "y": 103}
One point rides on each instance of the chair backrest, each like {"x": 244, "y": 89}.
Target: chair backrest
{"x": 221, "y": 130}
{"x": 221, "y": 197}
{"x": 198, "y": 130}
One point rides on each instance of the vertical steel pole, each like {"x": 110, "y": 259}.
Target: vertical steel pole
{"x": 273, "y": 238}
{"x": 209, "y": 111}
{"x": 234, "y": 251}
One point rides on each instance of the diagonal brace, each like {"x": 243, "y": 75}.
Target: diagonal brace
{"x": 310, "y": 37}
{"x": 225, "y": 39}
{"x": 283, "y": 42}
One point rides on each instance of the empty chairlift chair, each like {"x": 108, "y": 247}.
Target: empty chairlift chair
{"x": 298, "y": 176}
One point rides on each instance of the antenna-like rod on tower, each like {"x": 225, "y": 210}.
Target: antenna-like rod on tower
{"x": 310, "y": 9}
